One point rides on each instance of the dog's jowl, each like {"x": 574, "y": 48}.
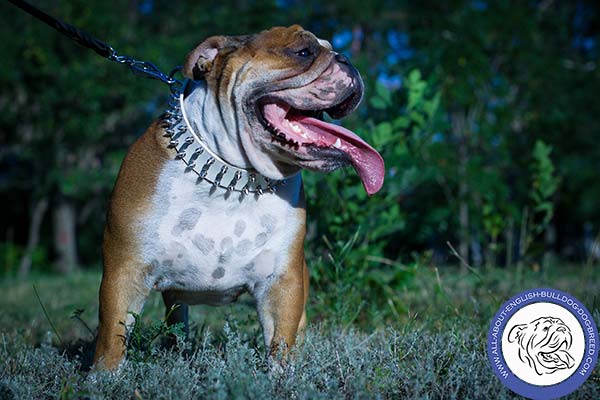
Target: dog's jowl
{"x": 209, "y": 201}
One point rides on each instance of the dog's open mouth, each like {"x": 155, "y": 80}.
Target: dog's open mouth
{"x": 558, "y": 357}
{"x": 298, "y": 130}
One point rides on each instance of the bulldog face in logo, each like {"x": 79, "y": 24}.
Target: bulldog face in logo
{"x": 544, "y": 344}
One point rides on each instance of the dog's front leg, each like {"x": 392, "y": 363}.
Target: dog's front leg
{"x": 281, "y": 308}
{"x": 122, "y": 293}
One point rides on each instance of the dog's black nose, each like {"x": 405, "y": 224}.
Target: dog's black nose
{"x": 341, "y": 58}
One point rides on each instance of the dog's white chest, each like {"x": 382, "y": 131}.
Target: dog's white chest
{"x": 201, "y": 242}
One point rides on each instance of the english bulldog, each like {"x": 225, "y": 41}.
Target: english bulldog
{"x": 544, "y": 344}
{"x": 209, "y": 201}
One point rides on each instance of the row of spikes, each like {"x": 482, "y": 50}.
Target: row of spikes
{"x": 172, "y": 117}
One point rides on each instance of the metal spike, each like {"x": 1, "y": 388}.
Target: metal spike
{"x": 177, "y": 135}
{"x": 189, "y": 140}
{"x": 246, "y": 188}
{"x": 259, "y": 190}
{"x": 184, "y": 146}
{"x": 251, "y": 180}
{"x": 219, "y": 176}
{"x": 173, "y": 143}
{"x": 179, "y": 132}
{"x": 206, "y": 167}
{"x": 180, "y": 155}
{"x": 210, "y": 162}
{"x": 196, "y": 154}
{"x": 234, "y": 181}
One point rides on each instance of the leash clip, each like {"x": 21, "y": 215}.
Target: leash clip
{"x": 146, "y": 69}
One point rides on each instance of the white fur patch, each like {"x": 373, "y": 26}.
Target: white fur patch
{"x": 211, "y": 246}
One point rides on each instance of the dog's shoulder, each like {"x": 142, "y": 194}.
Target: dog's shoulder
{"x": 138, "y": 177}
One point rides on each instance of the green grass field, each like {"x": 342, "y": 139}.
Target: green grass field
{"x": 432, "y": 346}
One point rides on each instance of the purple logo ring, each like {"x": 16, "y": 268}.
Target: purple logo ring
{"x": 544, "y": 348}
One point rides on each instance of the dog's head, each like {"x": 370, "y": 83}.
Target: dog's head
{"x": 544, "y": 344}
{"x": 271, "y": 90}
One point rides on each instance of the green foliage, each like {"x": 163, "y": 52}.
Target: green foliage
{"x": 10, "y": 255}
{"x": 476, "y": 82}
{"x": 544, "y": 184}
{"x": 144, "y": 337}
{"x": 380, "y": 217}
{"x": 352, "y": 286}
{"x": 382, "y": 98}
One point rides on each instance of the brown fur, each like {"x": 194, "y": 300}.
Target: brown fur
{"x": 287, "y": 297}
{"x": 122, "y": 289}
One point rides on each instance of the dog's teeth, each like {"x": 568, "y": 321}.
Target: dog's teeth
{"x": 338, "y": 143}
{"x": 295, "y": 127}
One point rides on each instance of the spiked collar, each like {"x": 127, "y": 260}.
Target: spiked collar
{"x": 199, "y": 159}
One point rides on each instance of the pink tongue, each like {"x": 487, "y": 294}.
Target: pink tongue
{"x": 367, "y": 162}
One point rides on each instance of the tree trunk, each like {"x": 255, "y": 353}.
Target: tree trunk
{"x": 550, "y": 242}
{"x": 37, "y": 216}
{"x": 463, "y": 207}
{"x": 65, "y": 244}
{"x": 461, "y": 134}
{"x": 509, "y": 234}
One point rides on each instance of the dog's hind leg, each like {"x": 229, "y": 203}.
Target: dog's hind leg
{"x": 176, "y": 313}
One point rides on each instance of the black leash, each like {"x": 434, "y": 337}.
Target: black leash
{"x": 140, "y": 68}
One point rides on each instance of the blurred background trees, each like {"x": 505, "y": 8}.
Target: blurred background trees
{"x": 485, "y": 112}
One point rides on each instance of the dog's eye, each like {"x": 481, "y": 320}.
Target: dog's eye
{"x": 304, "y": 52}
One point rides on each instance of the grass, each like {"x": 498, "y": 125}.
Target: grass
{"x": 426, "y": 341}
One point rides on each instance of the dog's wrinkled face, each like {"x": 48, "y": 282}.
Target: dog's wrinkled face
{"x": 276, "y": 85}
{"x": 544, "y": 344}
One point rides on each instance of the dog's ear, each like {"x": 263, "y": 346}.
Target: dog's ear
{"x": 325, "y": 44}
{"x": 200, "y": 60}
{"x": 516, "y": 332}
